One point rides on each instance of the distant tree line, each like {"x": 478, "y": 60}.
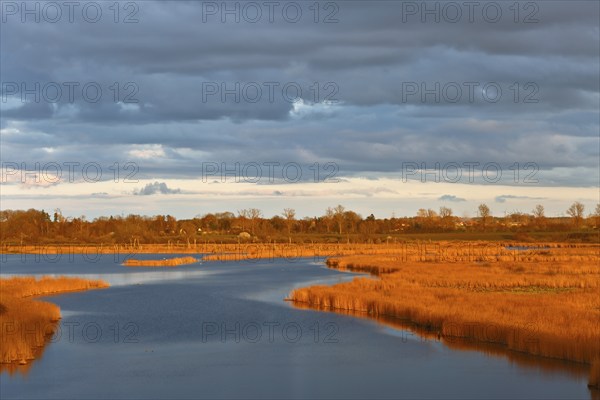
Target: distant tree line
{"x": 337, "y": 223}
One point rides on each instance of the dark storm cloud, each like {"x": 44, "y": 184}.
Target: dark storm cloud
{"x": 367, "y": 62}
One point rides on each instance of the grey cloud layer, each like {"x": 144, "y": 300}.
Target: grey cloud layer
{"x": 369, "y": 54}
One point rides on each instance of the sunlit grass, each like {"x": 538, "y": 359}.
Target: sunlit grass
{"x": 26, "y": 323}
{"x": 549, "y": 309}
{"x": 406, "y": 250}
{"x": 167, "y": 262}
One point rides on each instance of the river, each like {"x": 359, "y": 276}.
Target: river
{"x": 223, "y": 330}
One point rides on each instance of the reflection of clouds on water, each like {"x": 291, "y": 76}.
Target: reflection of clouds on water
{"x": 275, "y": 296}
{"x": 147, "y": 277}
{"x": 126, "y": 279}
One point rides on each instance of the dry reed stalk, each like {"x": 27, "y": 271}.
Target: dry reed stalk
{"x": 26, "y": 323}
{"x": 545, "y": 309}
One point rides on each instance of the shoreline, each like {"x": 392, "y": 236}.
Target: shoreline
{"x": 439, "y": 301}
{"x": 422, "y": 335}
{"x": 21, "y": 310}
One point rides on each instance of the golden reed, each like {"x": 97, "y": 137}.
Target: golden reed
{"x": 167, "y": 262}
{"x": 549, "y": 309}
{"x": 26, "y": 324}
{"x": 406, "y": 251}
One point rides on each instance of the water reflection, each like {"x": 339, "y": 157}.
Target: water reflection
{"x": 26, "y": 328}
{"x": 407, "y": 331}
{"x": 138, "y": 278}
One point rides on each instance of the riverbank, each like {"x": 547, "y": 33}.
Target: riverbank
{"x": 27, "y": 323}
{"x": 547, "y": 309}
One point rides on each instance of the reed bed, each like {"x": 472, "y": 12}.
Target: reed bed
{"x": 167, "y": 262}
{"x": 549, "y": 309}
{"x": 412, "y": 252}
{"x": 26, "y": 323}
{"x": 421, "y": 251}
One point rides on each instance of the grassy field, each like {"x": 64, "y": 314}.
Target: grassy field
{"x": 546, "y": 305}
{"x": 27, "y": 323}
{"x": 443, "y": 251}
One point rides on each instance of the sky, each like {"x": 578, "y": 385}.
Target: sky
{"x": 385, "y": 107}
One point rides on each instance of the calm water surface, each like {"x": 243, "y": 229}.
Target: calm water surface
{"x": 222, "y": 330}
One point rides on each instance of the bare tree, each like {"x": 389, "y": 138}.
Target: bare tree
{"x": 429, "y": 213}
{"x": 538, "y": 211}
{"x": 254, "y": 214}
{"x": 484, "y": 213}
{"x": 576, "y": 212}
{"x": 328, "y": 218}
{"x": 446, "y": 215}
{"x": 539, "y": 215}
{"x": 243, "y": 216}
{"x": 338, "y": 213}
{"x": 289, "y": 214}
{"x": 445, "y": 212}
{"x": 427, "y": 218}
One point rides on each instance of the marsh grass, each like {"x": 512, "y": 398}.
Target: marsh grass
{"x": 168, "y": 262}
{"x": 404, "y": 250}
{"x": 26, "y": 323}
{"x": 519, "y": 306}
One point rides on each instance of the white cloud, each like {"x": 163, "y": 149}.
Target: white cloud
{"x": 147, "y": 151}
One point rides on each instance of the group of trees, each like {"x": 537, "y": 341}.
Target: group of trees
{"x": 34, "y": 226}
